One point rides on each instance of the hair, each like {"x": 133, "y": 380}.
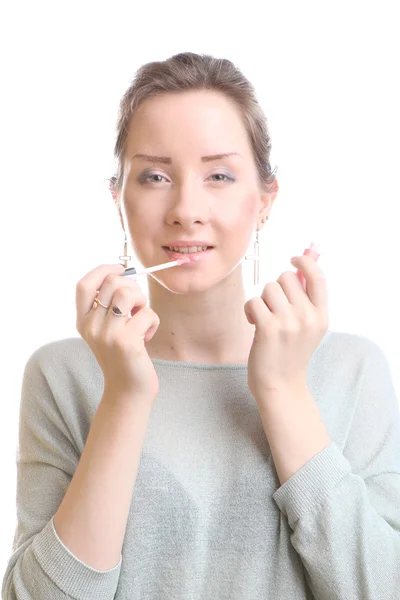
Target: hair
{"x": 189, "y": 71}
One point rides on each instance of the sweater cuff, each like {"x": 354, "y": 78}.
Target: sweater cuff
{"x": 312, "y": 483}
{"x": 68, "y": 572}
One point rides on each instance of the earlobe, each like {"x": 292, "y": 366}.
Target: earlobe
{"x": 117, "y": 205}
{"x": 116, "y": 202}
{"x": 112, "y": 189}
{"x": 273, "y": 193}
{"x": 267, "y": 202}
{"x": 114, "y": 195}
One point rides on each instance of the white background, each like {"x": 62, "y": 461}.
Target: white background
{"x": 326, "y": 75}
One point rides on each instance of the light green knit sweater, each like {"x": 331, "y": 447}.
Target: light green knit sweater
{"x": 208, "y": 518}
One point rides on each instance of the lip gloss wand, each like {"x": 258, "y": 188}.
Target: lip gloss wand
{"x": 132, "y": 274}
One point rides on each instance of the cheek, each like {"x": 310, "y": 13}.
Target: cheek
{"x": 243, "y": 218}
{"x": 248, "y": 216}
{"x": 141, "y": 217}
{"x": 250, "y": 203}
{"x": 141, "y": 223}
{"x": 245, "y": 224}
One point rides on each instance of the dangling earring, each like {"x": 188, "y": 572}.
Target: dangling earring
{"x": 125, "y": 259}
{"x": 256, "y": 255}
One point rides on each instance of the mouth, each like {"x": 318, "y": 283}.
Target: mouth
{"x": 175, "y": 255}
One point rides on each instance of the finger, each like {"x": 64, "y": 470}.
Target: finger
{"x": 144, "y": 324}
{"x": 317, "y": 289}
{"x": 119, "y": 292}
{"x": 275, "y": 298}
{"x": 101, "y": 321}
{"x": 87, "y": 287}
{"x": 293, "y": 289}
{"x": 259, "y": 313}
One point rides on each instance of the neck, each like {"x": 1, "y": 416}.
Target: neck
{"x": 208, "y": 327}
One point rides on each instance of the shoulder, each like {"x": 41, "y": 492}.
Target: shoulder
{"x": 349, "y": 342}
{"x": 349, "y": 350}
{"x": 69, "y": 354}
{"x": 63, "y": 375}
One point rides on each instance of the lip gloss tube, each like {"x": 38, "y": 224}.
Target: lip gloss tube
{"x": 314, "y": 251}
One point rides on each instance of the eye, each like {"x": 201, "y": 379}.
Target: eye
{"x": 222, "y": 175}
{"x": 146, "y": 176}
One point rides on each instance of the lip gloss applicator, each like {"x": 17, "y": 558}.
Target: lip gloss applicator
{"x": 132, "y": 273}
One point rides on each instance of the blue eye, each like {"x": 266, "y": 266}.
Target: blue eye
{"x": 223, "y": 175}
{"x": 145, "y": 177}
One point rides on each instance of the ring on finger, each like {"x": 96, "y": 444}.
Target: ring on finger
{"x": 115, "y": 310}
{"x": 97, "y": 301}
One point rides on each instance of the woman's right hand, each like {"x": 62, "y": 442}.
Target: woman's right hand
{"x": 118, "y": 343}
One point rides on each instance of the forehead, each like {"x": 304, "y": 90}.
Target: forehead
{"x": 207, "y": 120}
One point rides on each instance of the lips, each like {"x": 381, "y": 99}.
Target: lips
{"x": 176, "y": 255}
{"x": 186, "y": 244}
{"x": 187, "y": 247}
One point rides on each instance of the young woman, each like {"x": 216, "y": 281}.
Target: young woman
{"x": 201, "y": 446}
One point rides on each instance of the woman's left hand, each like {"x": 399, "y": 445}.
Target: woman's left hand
{"x": 289, "y": 325}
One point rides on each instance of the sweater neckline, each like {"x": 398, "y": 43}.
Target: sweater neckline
{"x": 177, "y": 364}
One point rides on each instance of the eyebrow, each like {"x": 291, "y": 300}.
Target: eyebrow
{"x": 167, "y": 161}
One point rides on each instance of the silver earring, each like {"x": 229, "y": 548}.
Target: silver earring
{"x": 125, "y": 258}
{"x": 256, "y": 256}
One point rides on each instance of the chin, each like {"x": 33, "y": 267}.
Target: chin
{"x": 185, "y": 288}
{"x": 186, "y": 285}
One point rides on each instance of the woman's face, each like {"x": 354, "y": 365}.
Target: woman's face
{"x": 186, "y": 196}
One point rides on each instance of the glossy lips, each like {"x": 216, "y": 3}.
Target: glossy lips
{"x": 194, "y": 256}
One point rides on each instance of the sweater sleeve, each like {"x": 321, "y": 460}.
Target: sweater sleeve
{"x": 344, "y": 506}
{"x": 40, "y": 565}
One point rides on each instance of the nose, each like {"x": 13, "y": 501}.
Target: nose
{"x": 190, "y": 204}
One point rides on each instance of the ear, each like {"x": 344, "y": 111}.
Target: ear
{"x": 116, "y": 200}
{"x": 111, "y": 187}
{"x": 268, "y": 198}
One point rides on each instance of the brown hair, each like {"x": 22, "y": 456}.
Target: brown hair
{"x": 189, "y": 71}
